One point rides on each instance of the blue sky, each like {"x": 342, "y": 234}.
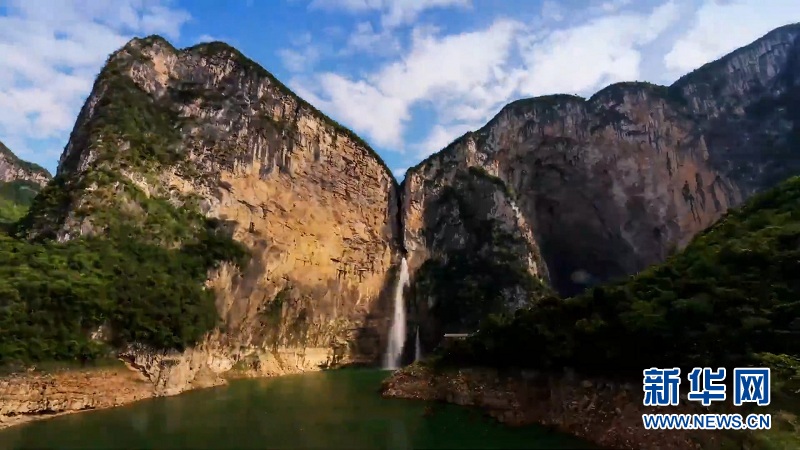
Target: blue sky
{"x": 406, "y": 75}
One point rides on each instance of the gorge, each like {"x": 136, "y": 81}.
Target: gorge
{"x": 259, "y": 237}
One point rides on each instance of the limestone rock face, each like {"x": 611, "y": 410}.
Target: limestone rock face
{"x": 611, "y": 184}
{"x": 434, "y": 222}
{"x": 314, "y": 204}
{"x": 470, "y": 247}
{"x": 13, "y": 169}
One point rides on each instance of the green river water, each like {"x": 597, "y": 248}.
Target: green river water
{"x": 327, "y": 410}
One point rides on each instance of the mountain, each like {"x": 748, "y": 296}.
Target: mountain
{"x": 20, "y": 181}
{"x": 199, "y": 164}
{"x": 601, "y": 188}
{"x": 203, "y": 217}
{"x": 12, "y": 169}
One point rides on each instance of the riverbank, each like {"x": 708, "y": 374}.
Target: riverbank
{"x": 42, "y": 393}
{"x": 29, "y": 396}
{"x": 606, "y": 413}
{"x": 331, "y": 409}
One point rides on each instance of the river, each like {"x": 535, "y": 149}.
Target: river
{"x": 326, "y": 410}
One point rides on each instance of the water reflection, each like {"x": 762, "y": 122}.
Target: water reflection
{"x": 398, "y": 439}
{"x": 339, "y": 409}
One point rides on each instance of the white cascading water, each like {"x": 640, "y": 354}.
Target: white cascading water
{"x": 397, "y": 333}
{"x": 417, "y": 348}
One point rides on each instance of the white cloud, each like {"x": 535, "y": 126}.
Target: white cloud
{"x": 303, "y": 55}
{"x": 438, "y": 70}
{"x": 614, "y": 5}
{"x": 50, "y": 53}
{"x": 208, "y": 38}
{"x": 393, "y": 12}
{"x": 552, "y": 10}
{"x": 440, "y": 136}
{"x": 299, "y": 60}
{"x": 444, "y": 66}
{"x": 582, "y": 59}
{"x": 365, "y": 39}
{"x": 720, "y": 28}
{"x": 359, "y": 104}
{"x": 400, "y": 172}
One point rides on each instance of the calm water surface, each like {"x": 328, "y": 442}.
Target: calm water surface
{"x": 328, "y": 410}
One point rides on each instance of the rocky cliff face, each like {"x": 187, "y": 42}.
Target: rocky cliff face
{"x": 471, "y": 247}
{"x": 611, "y": 184}
{"x": 20, "y": 181}
{"x": 207, "y": 130}
{"x": 14, "y": 169}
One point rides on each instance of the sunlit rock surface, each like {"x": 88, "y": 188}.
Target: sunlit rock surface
{"x": 13, "y": 169}
{"x": 316, "y": 207}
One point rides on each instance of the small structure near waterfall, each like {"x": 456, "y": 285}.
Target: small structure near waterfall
{"x": 449, "y": 338}
{"x": 456, "y": 336}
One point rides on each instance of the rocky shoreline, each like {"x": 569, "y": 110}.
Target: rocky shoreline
{"x": 606, "y": 413}
{"x": 36, "y": 395}
{"x": 25, "y": 397}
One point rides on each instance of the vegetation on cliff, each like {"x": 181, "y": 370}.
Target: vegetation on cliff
{"x": 15, "y": 199}
{"x": 17, "y": 195}
{"x": 140, "y": 276}
{"x": 728, "y": 298}
{"x": 53, "y": 296}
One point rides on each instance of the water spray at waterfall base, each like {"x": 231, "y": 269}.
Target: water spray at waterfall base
{"x": 397, "y": 332}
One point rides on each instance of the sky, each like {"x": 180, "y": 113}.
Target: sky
{"x": 408, "y": 76}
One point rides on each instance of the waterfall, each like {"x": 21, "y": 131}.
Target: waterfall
{"x": 417, "y": 348}
{"x": 397, "y": 333}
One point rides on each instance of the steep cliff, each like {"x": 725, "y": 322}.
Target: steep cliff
{"x": 475, "y": 253}
{"x": 20, "y": 181}
{"x": 611, "y": 184}
{"x": 191, "y": 147}
{"x": 13, "y": 169}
